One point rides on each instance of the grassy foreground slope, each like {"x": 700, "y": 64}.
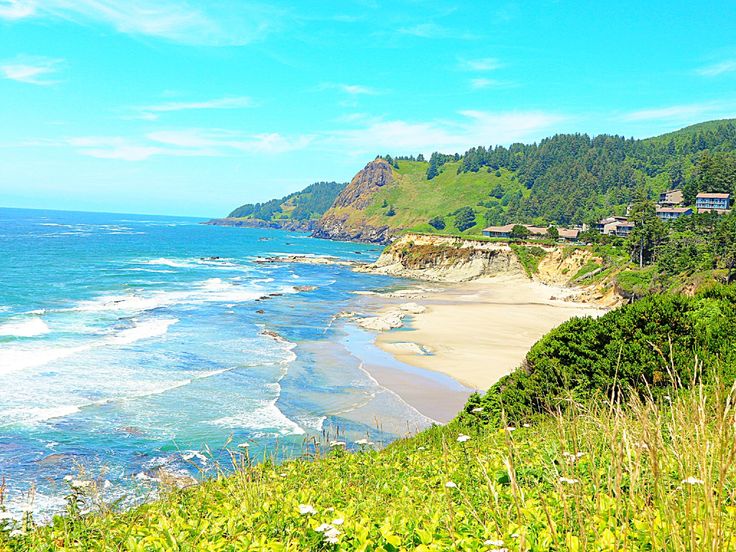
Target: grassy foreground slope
{"x": 645, "y": 476}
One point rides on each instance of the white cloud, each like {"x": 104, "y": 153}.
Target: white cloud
{"x": 480, "y": 83}
{"x": 15, "y": 9}
{"x": 351, "y": 89}
{"x": 433, "y": 30}
{"x": 672, "y": 112}
{"x": 186, "y": 143}
{"x": 727, "y": 66}
{"x": 471, "y": 129}
{"x": 483, "y": 64}
{"x": 31, "y": 70}
{"x": 150, "y": 113}
{"x": 176, "y": 20}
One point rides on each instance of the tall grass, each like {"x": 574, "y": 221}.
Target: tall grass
{"x": 612, "y": 475}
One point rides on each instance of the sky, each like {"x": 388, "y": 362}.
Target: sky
{"x": 193, "y": 108}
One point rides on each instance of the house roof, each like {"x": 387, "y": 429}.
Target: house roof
{"x": 536, "y": 230}
{"x": 672, "y": 196}
{"x": 709, "y": 195}
{"x": 674, "y": 210}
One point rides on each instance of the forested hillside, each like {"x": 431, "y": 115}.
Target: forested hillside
{"x": 310, "y": 203}
{"x": 566, "y": 179}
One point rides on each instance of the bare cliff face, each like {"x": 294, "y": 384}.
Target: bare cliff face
{"x": 343, "y": 220}
{"x": 446, "y": 259}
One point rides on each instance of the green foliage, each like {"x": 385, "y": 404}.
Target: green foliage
{"x": 310, "y": 203}
{"x": 529, "y": 257}
{"x": 648, "y": 234}
{"x": 645, "y": 347}
{"x": 464, "y": 218}
{"x": 519, "y": 232}
{"x": 438, "y": 223}
{"x": 553, "y": 233}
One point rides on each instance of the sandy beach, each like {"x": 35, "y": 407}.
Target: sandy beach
{"x": 475, "y": 332}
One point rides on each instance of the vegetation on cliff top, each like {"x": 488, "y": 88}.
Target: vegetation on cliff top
{"x": 308, "y": 204}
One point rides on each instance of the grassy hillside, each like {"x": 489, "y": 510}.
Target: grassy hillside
{"x": 411, "y": 200}
{"x": 639, "y": 476}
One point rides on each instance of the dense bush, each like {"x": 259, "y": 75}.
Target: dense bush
{"x": 644, "y": 347}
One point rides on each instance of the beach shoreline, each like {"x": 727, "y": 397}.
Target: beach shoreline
{"x": 474, "y": 332}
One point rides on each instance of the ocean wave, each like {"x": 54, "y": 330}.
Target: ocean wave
{"x": 35, "y": 414}
{"x": 143, "y": 330}
{"x": 267, "y": 417}
{"x": 26, "y": 328}
{"x": 14, "y": 359}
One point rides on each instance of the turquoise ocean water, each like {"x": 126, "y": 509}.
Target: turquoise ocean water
{"x": 126, "y": 346}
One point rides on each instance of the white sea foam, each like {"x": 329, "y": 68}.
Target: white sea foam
{"x": 13, "y": 359}
{"x": 25, "y": 328}
{"x": 265, "y": 417}
{"x": 32, "y": 415}
{"x": 143, "y": 330}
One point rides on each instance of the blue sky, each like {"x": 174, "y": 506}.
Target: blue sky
{"x": 192, "y": 108}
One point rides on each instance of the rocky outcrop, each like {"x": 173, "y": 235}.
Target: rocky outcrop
{"x": 343, "y": 221}
{"x": 292, "y": 225}
{"x": 446, "y": 259}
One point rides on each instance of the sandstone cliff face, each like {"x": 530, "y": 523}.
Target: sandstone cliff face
{"x": 446, "y": 259}
{"x": 340, "y": 221}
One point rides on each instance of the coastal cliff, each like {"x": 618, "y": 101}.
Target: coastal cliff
{"x": 446, "y": 259}
{"x": 291, "y": 225}
{"x": 344, "y": 220}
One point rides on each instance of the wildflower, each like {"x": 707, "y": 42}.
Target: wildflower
{"x": 573, "y": 457}
{"x": 5, "y": 515}
{"x": 337, "y": 443}
{"x": 365, "y": 442}
{"x": 282, "y": 474}
{"x": 322, "y": 528}
{"x": 692, "y": 481}
{"x": 450, "y": 485}
{"x": 568, "y": 480}
{"x": 477, "y": 409}
{"x": 331, "y": 540}
{"x": 330, "y": 509}
{"x": 80, "y": 485}
{"x": 422, "y": 448}
{"x": 510, "y": 429}
{"x": 68, "y": 478}
{"x": 338, "y": 521}
{"x": 332, "y": 532}
{"x": 491, "y": 542}
{"x": 243, "y": 445}
{"x": 526, "y": 425}
{"x": 462, "y": 438}
{"x": 15, "y": 533}
{"x": 306, "y": 509}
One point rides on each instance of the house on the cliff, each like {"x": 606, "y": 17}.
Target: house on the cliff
{"x": 566, "y": 234}
{"x": 668, "y": 214}
{"x": 708, "y": 202}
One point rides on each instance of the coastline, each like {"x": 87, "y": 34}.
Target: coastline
{"x": 475, "y": 332}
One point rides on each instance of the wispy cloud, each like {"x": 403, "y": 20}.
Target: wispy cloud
{"x": 351, "y": 89}
{"x": 15, "y": 9}
{"x": 151, "y": 112}
{"x": 30, "y": 70}
{"x": 481, "y": 83}
{"x": 727, "y": 66}
{"x": 176, "y": 20}
{"x": 483, "y": 64}
{"x": 186, "y": 143}
{"x": 470, "y": 129}
{"x": 434, "y": 30}
{"x": 673, "y": 112}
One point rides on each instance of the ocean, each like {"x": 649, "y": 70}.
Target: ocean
{"x": 134, "y": 344}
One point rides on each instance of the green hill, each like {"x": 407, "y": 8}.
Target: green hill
{"x": 565, "y": 179}
{"x": 300, "y": 207}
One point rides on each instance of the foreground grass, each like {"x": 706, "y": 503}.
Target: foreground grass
{"x": 641, "y": 477}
